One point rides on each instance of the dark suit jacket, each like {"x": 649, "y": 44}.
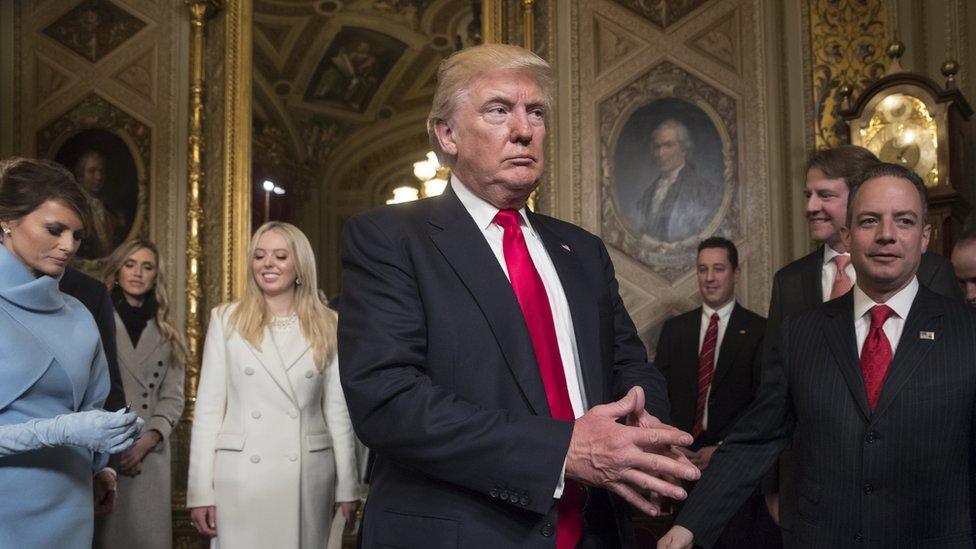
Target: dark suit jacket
{"x": 442, "y": 384}
{"x": 93, "y": 295}
{"x": 899, "y": 476}
{"x": 797, "y": 287}
{"x": 736, "y": 373}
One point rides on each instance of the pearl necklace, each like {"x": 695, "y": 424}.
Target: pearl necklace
{"x": 283, "y": 323}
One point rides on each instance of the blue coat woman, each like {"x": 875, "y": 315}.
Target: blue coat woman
{"x": 54, "y": 376}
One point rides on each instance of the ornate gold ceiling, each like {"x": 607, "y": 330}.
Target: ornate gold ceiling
{"x": 339, "y": 79}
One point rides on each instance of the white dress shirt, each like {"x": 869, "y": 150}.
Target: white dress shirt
{"x": 829, "y": 271}
{"x": 483, "y": 214}
{"x": 901, "y": 303}
{"x": 724, "y": 312}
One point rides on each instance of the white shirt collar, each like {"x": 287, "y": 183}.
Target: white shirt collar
{"x": 481, "y": 210}
{"x": 723, "y": 312}
{"x": 901, "y": 302}
{"x": 830, "y": 254}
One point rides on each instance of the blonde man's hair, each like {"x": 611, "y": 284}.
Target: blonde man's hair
{"x": 318, "y": 323}
{"x": 160, "y": 293}
{"x": 460, "y": 70}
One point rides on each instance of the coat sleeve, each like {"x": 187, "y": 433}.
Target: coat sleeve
{"x": 400, "y": 413}
{"x": 95, "y": 393}
{"x": 630, "y": 365}
{"x": 208, "y": 415}
{"x": 343, "y": 438}
{"x": 105, "y": 319}
{"x": 747, "y": 453}
{"x": 169, "y": 404}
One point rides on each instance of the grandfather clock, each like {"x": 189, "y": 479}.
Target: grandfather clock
{"x": 909, "y": 119}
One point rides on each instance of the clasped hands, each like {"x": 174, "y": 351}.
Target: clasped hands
{"x": 641, "y": 454}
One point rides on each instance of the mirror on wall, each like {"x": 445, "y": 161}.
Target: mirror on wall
{"x": 340, "y": 95}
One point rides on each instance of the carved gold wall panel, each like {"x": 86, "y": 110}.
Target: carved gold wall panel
{"x": 702, "y": 64}
{"x": 847, "y": 46}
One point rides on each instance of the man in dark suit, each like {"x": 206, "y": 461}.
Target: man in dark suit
{"x": 93, "y": 295}
{"x": 680, "y": 203}
{"x": 815, "y": 278}
{"x": 480, "y": 344}
{"x": 876, "y": 389}
{"x": 711, "y": 359}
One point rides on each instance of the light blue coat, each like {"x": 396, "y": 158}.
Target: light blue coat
{"x": 51, "y": 363}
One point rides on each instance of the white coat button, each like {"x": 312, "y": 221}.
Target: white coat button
{"x": 292, "y": 457}
{"x": 256, "y": 414}
{"x": 292, "y": 414}
{"x": 255, "y": 459}
{"x": 249, "y": 371}
{"x": 309, "y": 374}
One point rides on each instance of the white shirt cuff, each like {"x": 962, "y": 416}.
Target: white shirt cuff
{"x": 561, "y": 485}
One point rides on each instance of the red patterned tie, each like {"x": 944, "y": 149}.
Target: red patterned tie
{"x": 534, "y": 302}
{"x": 842, "y": 282}
{"x": 706, "y": 371}
{"x": 876, "y": 354}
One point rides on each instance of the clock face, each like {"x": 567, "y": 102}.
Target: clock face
{"x": 900, "y": 130}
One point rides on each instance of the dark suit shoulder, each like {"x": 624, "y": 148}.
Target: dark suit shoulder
{"x": 565, "y": 229}
{"x": 748, "y": 316}
{"x": 84, "y": 288}
{"x": 796, "y": 268}
{"x": 687, "y": 317}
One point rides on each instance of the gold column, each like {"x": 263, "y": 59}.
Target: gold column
{"x": 493, "y": 21}
{"x": 528, "y": 24}
{"x": 198, "y": 12}
{"x": 237, "y": 152}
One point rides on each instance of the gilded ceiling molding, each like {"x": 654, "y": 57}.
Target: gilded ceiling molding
{"x": 847, "y": 45}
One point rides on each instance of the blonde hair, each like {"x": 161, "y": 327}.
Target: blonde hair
{"x": 169, "y": 332}
{"x": 456, "y": 74}
{"x": 318, "y": 323}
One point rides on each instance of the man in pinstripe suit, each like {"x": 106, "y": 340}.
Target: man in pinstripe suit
{"x": 876, "y": 389}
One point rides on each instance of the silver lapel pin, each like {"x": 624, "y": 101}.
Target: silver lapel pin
{"x": 926, "y": 335}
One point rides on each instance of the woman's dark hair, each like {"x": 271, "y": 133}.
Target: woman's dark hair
{"x": 26, "y": 183}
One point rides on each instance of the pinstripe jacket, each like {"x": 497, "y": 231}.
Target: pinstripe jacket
{"x": 896, "y": 477}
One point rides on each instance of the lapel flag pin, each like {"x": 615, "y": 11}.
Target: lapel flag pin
{"x": 566, "y": 247}
{"x": 927, "y": 335}
{"x": 742, "y": 332}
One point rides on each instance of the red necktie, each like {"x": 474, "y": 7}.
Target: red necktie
{"x": 842, "y": 282}
{"x": 706, "y": 371}
{"x": 876, "y": 354}
{"x": 534, "y": 302}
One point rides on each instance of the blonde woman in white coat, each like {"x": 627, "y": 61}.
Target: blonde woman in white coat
{"x": 272, "y": 446}
{"x": 151, "y": 362}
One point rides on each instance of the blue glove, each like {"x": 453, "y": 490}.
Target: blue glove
{"x": 97, "y": 430}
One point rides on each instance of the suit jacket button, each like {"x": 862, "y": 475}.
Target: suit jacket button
{"x": 868, "y": 488}
{"x": 155, "y": 374}
{"x": 504, "y": 495}
{"x": 145, "y": 406}
{"x": 152, "y": 385}
{"x": 309, "y": 374}
{"x": 523, "y": 501}
{"x": 249, "y": 371}
{"x": 870, "y": 437}
{"x": 292, "y": 413}
{"x": 255, "y": 459}
{"x": 256, "y": 414}
{"x": 493, "y": 493}
{"x": 547, "y": 530}
{"x": 292, "y": 457}
{"x": 145, "y": 395}
{"x": 160, "y": 363}
{"x": 858, "y": 538}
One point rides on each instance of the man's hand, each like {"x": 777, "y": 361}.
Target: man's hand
{"x": 204, "y": 519}
{"x": 131, "y": 461}
{"x": 103, "y": 492}
{"x": 624, "y": 458}
{"x": 703, "y": 457}
{"x": 678, "y": 537}
{"x": 772, "y": 504}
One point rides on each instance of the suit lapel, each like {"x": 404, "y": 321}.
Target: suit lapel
{"x": 148, "y": 341}
{"x": 730, "y": 345}
{"x": 463, "y": 246}
{"x": 128, "y": 359}
{"x": 924, "y": 315}
{"x": 268, "y": 356}
{"x": 582, "y": 307}
{"x": 839, "y": 332}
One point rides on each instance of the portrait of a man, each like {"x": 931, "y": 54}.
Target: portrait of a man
{"x": 668, "y": 171}
{"x": 104, "y": 165}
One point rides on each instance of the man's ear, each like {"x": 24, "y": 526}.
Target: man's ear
{"x": 845, "y": 237}
{"x": 445, "y": 137}
{"x": 926, "y": 235}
